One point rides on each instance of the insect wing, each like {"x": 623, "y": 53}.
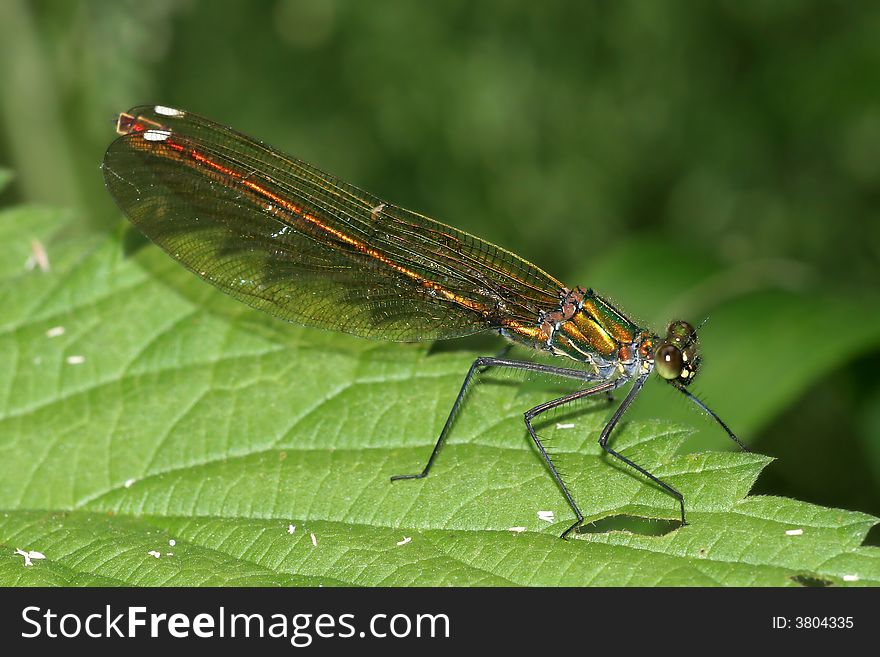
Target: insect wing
{"x": 289, "y": 239}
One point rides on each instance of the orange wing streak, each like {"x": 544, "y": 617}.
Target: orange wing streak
{"x": 315, "y": 221}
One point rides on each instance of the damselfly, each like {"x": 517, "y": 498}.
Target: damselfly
{"x": 284, "y": 237}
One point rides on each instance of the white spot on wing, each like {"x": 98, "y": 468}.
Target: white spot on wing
{"x": 156, "y": 135}
{"x": 167, "y": 111}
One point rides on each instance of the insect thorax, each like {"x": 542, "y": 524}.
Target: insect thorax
{"x": 588, "y": 329}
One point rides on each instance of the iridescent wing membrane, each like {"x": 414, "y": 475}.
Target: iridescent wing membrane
{"x": 289, "y": 239}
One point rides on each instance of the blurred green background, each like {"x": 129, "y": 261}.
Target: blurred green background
{"x": 716, "y": 159}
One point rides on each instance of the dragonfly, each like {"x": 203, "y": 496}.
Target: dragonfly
{"x": 286, "y": 238}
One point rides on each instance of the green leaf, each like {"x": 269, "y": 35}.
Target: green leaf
{"x": 165, "y": 412}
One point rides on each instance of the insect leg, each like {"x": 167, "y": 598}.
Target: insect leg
{"x": 502, "y": 353}
{"x": 606, "y": 432}
{"x": 477, "y": 367}
{"x": 532, "y": 413}
{"x": 713, "y": 415}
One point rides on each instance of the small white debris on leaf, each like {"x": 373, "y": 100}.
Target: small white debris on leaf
{"x": 314, "y": 540}
{"x": 76, "y": 360}
{"x": 546, "y": 516}
{"x": 129, "y": 482}
{"x": 850, "y": 578}
{"x": 172, "y": 542}
{"x": 374, "y": 213}
{"x": 291, "y": 529}
{"x": 518, "y": 530}
{"x": 406, "y": 539}
{"x": 794, "y": 532}
{"x": 29, "y": 555}
{"x": 154, "y": 553}
{"x": 55, "y": 331}
{"x": 567, "y": 425}
{"x": 38, "y": 257}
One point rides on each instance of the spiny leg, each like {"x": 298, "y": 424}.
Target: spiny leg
{"x": 713, "y": 415}
{"x": 532, "y": 413}
{"x": 477, "y": 367}
{"x": 606, "y": 432}
{"x": 502, "y": 353}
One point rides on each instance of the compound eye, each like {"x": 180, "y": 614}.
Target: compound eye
{"x": 668, "y": 361}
